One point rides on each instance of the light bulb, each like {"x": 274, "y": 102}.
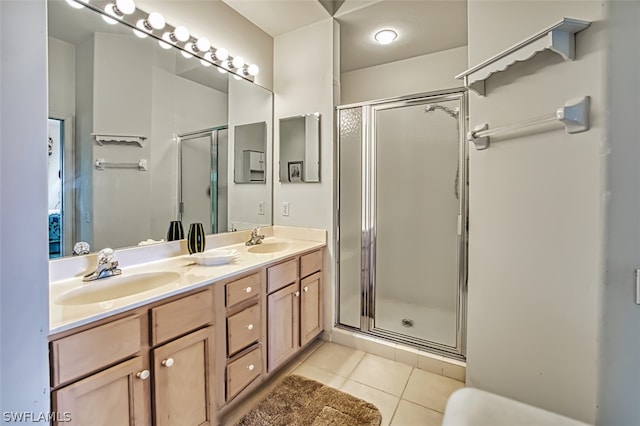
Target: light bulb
{"x": 75, "y": 4}
{"x": 203, "y": 44}
{"x": 222, "y": 70}
{"x": 164, "y": 44}
{"x": 139, "y": 33}
{"x": 156, "y": 21}
{"x": 181, "y": 34}
{"x": 222, "y": 54}
{"x": 237, "y": 77}
{"x": 237, "y": 62}
{"x": 205, "y": 63}
{"x": 253, "y": 70}
{"x": 126, "y": 6}
{"x": 108, "y": 20}
{"x": 385, "y": 36}
{"x": 186, "y": 54}
{"x": 209, "y": 57}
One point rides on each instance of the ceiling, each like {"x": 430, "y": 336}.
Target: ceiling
{"x": 423, "y": 26}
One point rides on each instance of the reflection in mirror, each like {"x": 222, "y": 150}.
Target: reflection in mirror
{"x": 203, "y": 178}
{"x": 249, "y": 156}
{"x": 300, "y": 148}
{"x": 123, "y": 103}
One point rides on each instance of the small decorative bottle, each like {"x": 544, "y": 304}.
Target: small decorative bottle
{"x": 196, "y": 238}
{"x": 176, "y": 231}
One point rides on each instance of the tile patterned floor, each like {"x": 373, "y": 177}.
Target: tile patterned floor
{"x": 406, "y": 396}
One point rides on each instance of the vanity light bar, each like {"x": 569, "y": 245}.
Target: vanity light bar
{"x": 154, "y": 24}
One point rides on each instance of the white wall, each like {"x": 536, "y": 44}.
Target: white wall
{"x": 224, "y": 27}
{"x": 305, "y": 71}
{"x": 620, "y": 343}
{"x": 536, "y": 215}
{"x": 24, "y": 309}
{"x": 424, "y": 73}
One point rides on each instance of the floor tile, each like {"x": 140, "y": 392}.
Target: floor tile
{"x": 337, "y": 359}
{"x": 385, "y": 402}
{"x": 320, "y": 375}
{"x": 381, "y": 373}
{"x": 410, "y": 414}
{"x": 429, "y": 389}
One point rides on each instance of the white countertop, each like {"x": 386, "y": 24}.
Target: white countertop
{"x": 192, "y": 276}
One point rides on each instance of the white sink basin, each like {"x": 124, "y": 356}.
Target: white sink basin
{"x": 268, "y": 248}
{"x": 115, "y": 287}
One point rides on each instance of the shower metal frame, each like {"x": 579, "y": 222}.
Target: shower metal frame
{"x": 368, "y": 220}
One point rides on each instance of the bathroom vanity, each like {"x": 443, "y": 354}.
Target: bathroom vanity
{"x": 184, "y": 352}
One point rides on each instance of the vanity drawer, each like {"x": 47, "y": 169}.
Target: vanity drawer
{"x": 282, "y": 275}
{"x": 76, "y": 355}
{"x": 243, "y": 289}
{"x": 244, "y": 370}
{"x": 243, "y": 329}
{"x": 181, "y": 316}
{"x": 310, "y": 263}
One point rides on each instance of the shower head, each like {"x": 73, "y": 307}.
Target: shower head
{"x": 452, "y": 112}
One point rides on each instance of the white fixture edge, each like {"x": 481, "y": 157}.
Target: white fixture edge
{"x": 559, "y": 38}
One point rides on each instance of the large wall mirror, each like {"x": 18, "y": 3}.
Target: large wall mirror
{"x": 140, "y": 136}
{"x": 300, "y": 148}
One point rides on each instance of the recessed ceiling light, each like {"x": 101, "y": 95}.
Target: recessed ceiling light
{"x": 385, "y": 36}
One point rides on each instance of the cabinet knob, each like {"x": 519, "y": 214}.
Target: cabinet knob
{"x": 297, "y": 293}
{"x": 247, "y": 290}
{"x": 306, "y": 288}
{"x": 250, "y": 327}
{"x": 251, "y": 367}
{"x": 167, "y": 362}
{"x": 143, "y": 375}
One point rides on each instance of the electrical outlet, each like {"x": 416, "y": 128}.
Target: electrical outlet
{"x": 261, "y": 208}
{"x": 285, "y": 208}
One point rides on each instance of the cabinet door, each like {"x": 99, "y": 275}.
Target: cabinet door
{"x": 283, "y": 325}
{"x": 183, "y": 380}
{"x": 310, "y": 308}
{"x": 115, "y": 396}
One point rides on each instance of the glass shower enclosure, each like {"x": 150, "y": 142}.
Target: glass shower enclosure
{"x": 202, "y": 176}
{"x": 402, "y": 220}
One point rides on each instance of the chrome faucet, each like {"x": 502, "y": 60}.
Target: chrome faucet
{"x": 107, "y": 266}
{"x": 255, "y": 238}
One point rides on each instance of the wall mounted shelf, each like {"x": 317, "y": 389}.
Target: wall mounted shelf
{"x": 118, "y": 139}
{"x": 559, "y": 38}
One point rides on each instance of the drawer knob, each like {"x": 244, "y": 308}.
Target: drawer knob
{"x": 143, "y": 375}
{"x": 250, "y": 327}
{"x": 297, "y": 293}
{"x": 306, "y": 288}
{"x": 251, "y": 367}
{"x": 167, "y": 362}
{"x": 247, "y": 290}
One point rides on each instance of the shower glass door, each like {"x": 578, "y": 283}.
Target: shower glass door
{"x": 203, "y": 179}
{"x": 411, "y": 225}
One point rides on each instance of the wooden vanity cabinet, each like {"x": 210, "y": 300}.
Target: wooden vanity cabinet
{"x": 183, "y": 380}
{"x": 115, "y": 396}
{"x": 294, "y": 306}
{"x": 102, "y": 375}
{"x": 244, "y": 317}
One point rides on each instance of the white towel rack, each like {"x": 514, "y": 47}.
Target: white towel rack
{"x": 102, "y": 164}
{"x": 574, "y": 115}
